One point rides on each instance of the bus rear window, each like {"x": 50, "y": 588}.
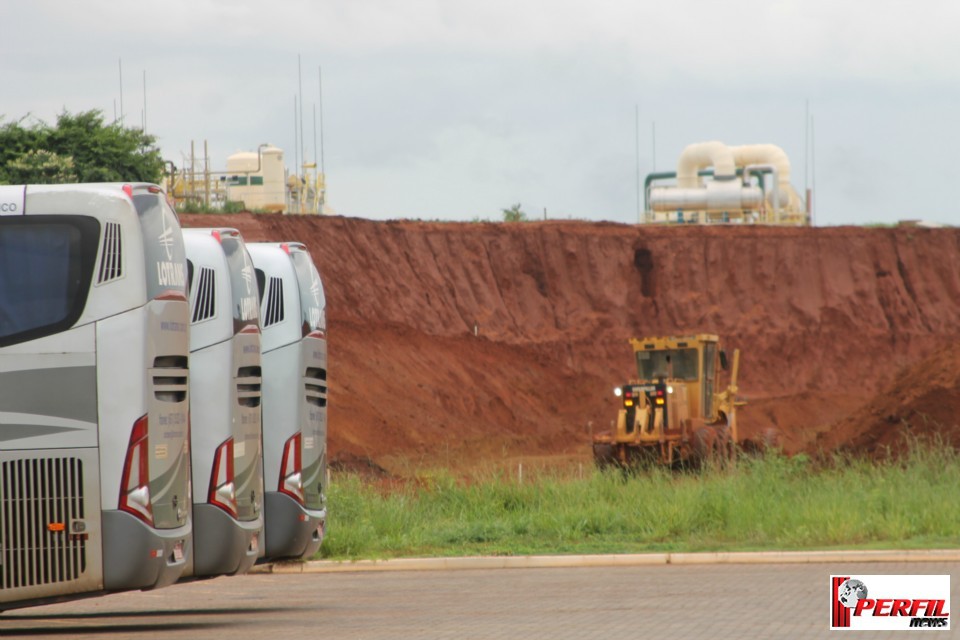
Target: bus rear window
{"x": 164, "y": 255}
{"x": 243, "y": 280}
{"x": 312, "y": 299}
{"x": 45, "y": 269}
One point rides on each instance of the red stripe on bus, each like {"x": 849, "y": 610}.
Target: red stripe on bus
{"x": 170, "y": 294}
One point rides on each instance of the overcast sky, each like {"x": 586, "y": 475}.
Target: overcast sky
{"x": 456, "y": 110}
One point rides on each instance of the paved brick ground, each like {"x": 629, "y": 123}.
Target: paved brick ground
{"x": 666, "y": 601}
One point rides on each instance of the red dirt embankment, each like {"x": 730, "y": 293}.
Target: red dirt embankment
{"x": 824, "y": 319}
{"x": 922, "y": 403}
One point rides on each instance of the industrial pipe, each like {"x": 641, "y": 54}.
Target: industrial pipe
{"x": 759, "y": 170}
{"x": 705, "y": 154}
{"x": 715, "y": 196}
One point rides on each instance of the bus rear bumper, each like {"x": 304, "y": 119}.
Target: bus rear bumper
{"x": 223, "y": 545}
{"x": 291, "y": 531}
{"x": 136, "y": 556}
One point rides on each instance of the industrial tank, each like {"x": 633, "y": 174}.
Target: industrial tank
{"x": 256, "y": 178}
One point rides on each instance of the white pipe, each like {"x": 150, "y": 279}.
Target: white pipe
{"x": 772, "y": 154}
{"x": 775, "y": 192}
{"x": 705, "y": 154}
{"x": 763, "y": 154}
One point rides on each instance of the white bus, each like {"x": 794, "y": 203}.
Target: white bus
{"x": 294, "y": 325}
{"x": 225, "y": 380}
{"x": 94, "y": 392}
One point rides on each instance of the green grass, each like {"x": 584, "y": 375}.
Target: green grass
{"x": 770, "y": 503}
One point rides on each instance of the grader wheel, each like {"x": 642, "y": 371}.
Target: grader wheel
{"x": 713, "y": 443}
{"x": 726, "y": 447}
{"x": 704, "y": 445}
{"x": 604, "y": 455}
{"x": 643, "y": 458}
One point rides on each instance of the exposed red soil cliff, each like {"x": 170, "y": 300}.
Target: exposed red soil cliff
{"x": 825, "y": 319}
{"x": 923, "y": 403}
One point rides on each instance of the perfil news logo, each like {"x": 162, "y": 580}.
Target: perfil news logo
{"x": 889, "y": 602}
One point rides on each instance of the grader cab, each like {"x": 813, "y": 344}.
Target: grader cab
{"x": 674, "y": 413}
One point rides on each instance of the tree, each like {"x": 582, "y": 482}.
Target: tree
{"x": 39, "y": 166}
{"x": 514, "y": 214}
{"x": 80, "y": 148}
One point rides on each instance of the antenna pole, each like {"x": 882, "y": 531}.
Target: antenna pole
{"x": 654, "y": 143}
{"x": 144, "y": 102}
{"x": 636, "y": 134}
{"x": 120, "y": 68}
{"x": 813, "y": 168}
{"x": 303, "y": 157}
{"x": 296, "y": 136}
{"x": 320, "y": 78}
{"x": 806, "y": 147}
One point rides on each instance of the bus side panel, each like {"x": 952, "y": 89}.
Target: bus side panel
{"x": 210, "y": 418}
{"x": 315, "y": 422}
{"x": 248, "y": 440}
{"x": 314, "y": 441}
{"x": 139, "y": 556}
{"x": 247, "y": 435}
{"x": 281, "y": 406}
{"x": 221, "y": 544}
{"x": 121, "y": 402}
{"x": 50, "y": 542}
{"x": 48, "y": 392}
{"x": 168, "y": 401}
{"x": 295, "y": 388}
{"x": 285, "y": 534}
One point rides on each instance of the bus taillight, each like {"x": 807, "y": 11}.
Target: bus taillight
{"x": 291, "y": 469}
{"x": 222, "y": 489}
{"x": 135, "y": 481}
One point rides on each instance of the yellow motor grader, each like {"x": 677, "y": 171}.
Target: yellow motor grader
{"x": 674, "y": 413}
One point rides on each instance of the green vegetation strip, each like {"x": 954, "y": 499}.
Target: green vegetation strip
{"x": 769, "y": 503}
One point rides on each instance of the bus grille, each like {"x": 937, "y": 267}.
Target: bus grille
{"x": 205, "y": 302}
{"x": 171, "y": 378}
{"x": 248, "y": 386}
{"x": 315, "y": 385}
{"x": 111, "y": 260}
{"x": 273, "y": 310}
{"x": 41, "y": 522}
